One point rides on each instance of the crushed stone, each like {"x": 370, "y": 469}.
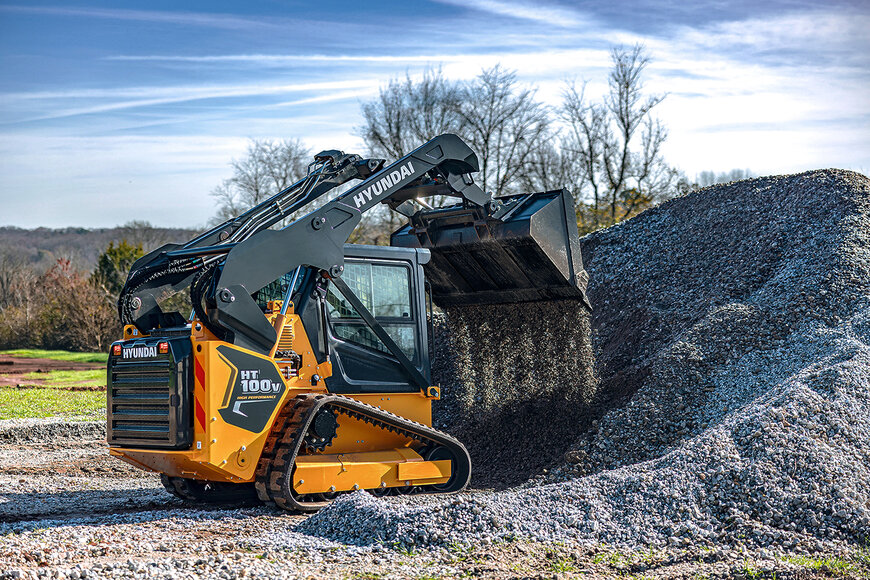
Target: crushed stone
{"x": 50, "y": 429}
{"x": 731, "y": 337}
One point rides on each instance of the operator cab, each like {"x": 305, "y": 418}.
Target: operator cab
{"x": 389, "y": 283}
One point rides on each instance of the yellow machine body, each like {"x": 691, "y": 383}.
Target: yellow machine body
{"x": 361, "y": 456}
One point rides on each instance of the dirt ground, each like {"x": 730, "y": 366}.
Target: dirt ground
{"x": 13, "y": 369}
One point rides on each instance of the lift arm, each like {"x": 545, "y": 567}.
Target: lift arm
{"x": 441, "y": 166}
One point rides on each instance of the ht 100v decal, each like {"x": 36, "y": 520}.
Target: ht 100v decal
{"x": 253, "y": 390}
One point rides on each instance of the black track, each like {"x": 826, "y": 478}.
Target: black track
{"x": 274, "y": 476}
{"x": 191, "y": 490}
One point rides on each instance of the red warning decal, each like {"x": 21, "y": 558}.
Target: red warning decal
{"x": 200, "y": 386}
{"x": 200, "y": 373}
{"x": 200, "y": 414}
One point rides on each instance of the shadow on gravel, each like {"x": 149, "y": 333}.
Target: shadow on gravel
{"x": 17, "y": 507}
{"x": 51, "y": 510}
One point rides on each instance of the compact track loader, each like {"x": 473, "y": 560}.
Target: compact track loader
{"x": 303, "y": 371}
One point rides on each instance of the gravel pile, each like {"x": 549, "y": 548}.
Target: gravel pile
{"x": 731, "y": 335}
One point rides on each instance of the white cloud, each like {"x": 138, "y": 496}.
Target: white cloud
{"x": 187, "y": 92}
{"x": 290, "y": 58}
{"x": 169, "y": 95}
{"x": 806, "y": 32}
{"x": 540, "y": 12}
{"x": 328, "y": 98}
{"x": 181, "y": 18}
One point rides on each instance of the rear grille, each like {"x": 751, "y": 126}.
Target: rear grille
{"x": 149, "y": 400}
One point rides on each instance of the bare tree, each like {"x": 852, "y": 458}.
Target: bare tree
{"x": 19, "y": 303}
{"x": 408, "y": 113}
{"x": 74, "y": 313}
{"x": 585, "y": 144}
{"x": 551, "y": 166}
{"x": 19, "y": 291}
{"x": 617, "y": 144}
{"x": 59, "y": 308}
{"x": 268, "y": 167}
{"x": 505, "y": 125}
{"x": 502, "y": 122}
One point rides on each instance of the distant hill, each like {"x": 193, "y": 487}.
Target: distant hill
{"x": 41, "y": 247}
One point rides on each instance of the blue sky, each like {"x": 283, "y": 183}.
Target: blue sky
{"x": 114, "y": 111}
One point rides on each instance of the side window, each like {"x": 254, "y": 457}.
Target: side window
{"x": 385, "y": 290}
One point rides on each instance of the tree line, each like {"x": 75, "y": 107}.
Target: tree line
{"x": 63, "y": 307}
{"x": 607, "y": 152}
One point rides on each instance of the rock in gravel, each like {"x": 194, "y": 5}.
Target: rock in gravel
{"x": 731, "y": 338}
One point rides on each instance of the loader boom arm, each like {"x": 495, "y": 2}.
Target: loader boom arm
{"x": 442, "y": 165}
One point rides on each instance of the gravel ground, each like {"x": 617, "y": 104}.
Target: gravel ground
{"x": 177, "y": 542}
{"x": 731, "y": 333}
{"x": 54, "y": 429}
{"x": 129, "y": 528}
{"x": 54, "y": 467}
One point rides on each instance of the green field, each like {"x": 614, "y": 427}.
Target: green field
{"x": 83, "y": 357}
{"x": 50, "y": 394}
{"x": 66, "y": 379}
{"x": 51, "y": 402}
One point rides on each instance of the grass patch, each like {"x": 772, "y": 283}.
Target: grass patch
{"x": 861, "y": 556}
{"x": 833, "y": 565}
{"x": 404, "y": 549}
{"x": 62, "y": 379}
{"x": 50, "y": 402}
{"x": 562, "y": 565}
{"x": 82, "y": 357}
{"x": 612, "y": 559}
{"x": 749, "y": 570}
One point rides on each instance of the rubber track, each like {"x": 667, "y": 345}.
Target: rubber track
{"x": 192, "y": 491}
{"x": 285, "y": 442}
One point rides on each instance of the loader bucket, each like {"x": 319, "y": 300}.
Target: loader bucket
{"x": 526, "y": 249}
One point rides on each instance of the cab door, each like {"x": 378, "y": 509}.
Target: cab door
{"x": 388, "y": 282}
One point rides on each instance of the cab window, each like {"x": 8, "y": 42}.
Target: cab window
{"x": 385, "y": 290}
